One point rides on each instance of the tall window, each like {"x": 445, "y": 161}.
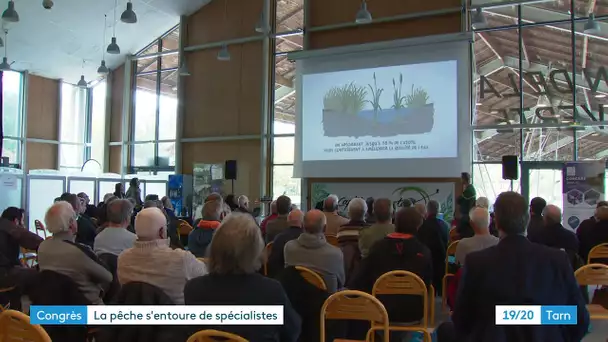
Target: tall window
{"x": 98, "y": 123}
{"x": 73, "y": 127}
{"x": 289, "y": 37}
{"x": 155, "y": 116}
{"x": 12, "y": 118}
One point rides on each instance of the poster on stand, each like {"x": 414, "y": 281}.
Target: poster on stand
{"x": 206, "y": 179}
{"x": 583, "y": 188}
{"x": 442, "y": 192}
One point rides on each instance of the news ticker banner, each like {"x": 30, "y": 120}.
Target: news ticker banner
{"x": 157, "y": 314}
{"x": 536, "y": 315}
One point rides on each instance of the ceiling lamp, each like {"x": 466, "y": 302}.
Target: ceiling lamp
{"x": 5, "y": 66}
{"x": 47, "y": 4}
{"x": 129, "y": 16}
{"x": 363, "y": 15}
{"x": 223, "y": 55}
{"x": 103, "y": 69}
{"x": 82, "y": 83}
{"x": 479, "y": 20}
{"x": 260, "y": 27}
{"x": 113, "y": 48}
{"x": 592, "y": 26}
{"x": 10, "y": 14}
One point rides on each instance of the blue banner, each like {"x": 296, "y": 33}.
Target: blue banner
{"x": 583, "y": 188}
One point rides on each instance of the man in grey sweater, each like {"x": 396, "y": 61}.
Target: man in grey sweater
{"x": 312, "y": 251}
{"x": 115, "y": 238}
{"x": 62, "y": 255}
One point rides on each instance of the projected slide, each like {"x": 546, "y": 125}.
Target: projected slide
{"x": 407, "y": 111}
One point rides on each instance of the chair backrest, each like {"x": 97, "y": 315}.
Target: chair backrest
{"x": 312, "y": 277}
{"x": 332, "y": 240}
{"x": 592, "y": 274}
{"x": 402, "y": 283}
{"x": 450, "y": 252}
{"x": 598, "y": 252}
{"x": 15, "y": 327}
{"x": 267, "y": 254}
{"x": 354, "y": 305}
{"x": 215, "y": 335}
{"x": 39, "y": 226}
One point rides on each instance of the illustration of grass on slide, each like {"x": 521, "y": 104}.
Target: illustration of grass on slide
{"x": 347, "y": 99}
{"x": 375, "y": 101}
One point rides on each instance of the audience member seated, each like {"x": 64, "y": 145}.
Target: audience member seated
{"x": 273, "y": 215}
{"x": 115, "y": 238}
{"x": 514, "y": 272}
{"x": 595, "y": 235}
{"x": 14, "y": 235}
{"x": 553, "y": 234}
{"x": 62, "y": 255}
{"x": 276, "y": 259}
{"x": 89, "y": 209}
{"x": 480, "y": 220}
{"x": 400, "y": 250}
{"x": 243, "y": 203}
{"x": 334, "y": 220}
{"x": 348, "y": 236}
{"x": 86, "y": 228}
{"x": 370, "y": 218}
{"x": 311, "y": 250}
{"x": 434, "y": 234}
{"x": 536, "y": 224}
{"x": 231, "y": 202}
{"x": 280, "y": 224}
{"x": 152, "y": 261}
{"x": 174, "y": 239}
{"x": 235, "y": 256}
{"x": 484, "y": 202}
{"x": 201, "y": 236}
{"x": 383, "y": 212}
{"x": 102, "y": 220}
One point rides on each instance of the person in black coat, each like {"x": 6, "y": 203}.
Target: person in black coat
{"x": 514, "y": 272}
{"x": 553, "y": 234}
{"x": 87, "y": 230}
{"x": 235, "y": 256}
{"x": 536, "y": 223}
{"x": 276, "y": 259}
{"x": 594, "y": 235}
{"x": 434, "y": 234}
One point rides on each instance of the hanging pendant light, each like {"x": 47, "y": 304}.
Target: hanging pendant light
{"x": 10, "y": 14}
{"x": 5, "y": 66}
{"x": 82, "y": 83}
{"x": 223, "y": 55}
{"x": 129, "y": 16}
{"x": 113, "y": 48}
{"x": 592, "y": 26}
{"x": 479, "y": 20}
{"x": 363, "y": 15}
{"x": 103, "y": 69}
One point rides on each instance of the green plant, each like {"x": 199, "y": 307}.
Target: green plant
{"x": 375, "y": 101}
{"x": 349, "y": 99}
{"x": 417, "y": 98}
{"x": 398, "y": 99}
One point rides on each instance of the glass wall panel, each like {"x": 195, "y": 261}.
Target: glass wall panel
{"x": 73, "y": 113}
{"x": 144, "y": 154}
{"x": 166, "y": 154}
{"x": 492, "y": 144}
{"x": 283, "y": 183}
{"x": 145, "y": 108}
{"x": 41, "y": 195}
{"x": 12, "y": 110}
{"x": 12, "y": 149}
{"x": 283, "y": 150}
{"x": 289, "y": 15}
{"x": 284, "y": 96}
{"x": 98, "y": 122}
{"x": 488, "y": 181}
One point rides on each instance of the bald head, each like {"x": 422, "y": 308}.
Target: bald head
{"x": 552, "y": 214}
{"x": 295, "y": 218}
{"x": 480, "y": 220}
{"x": 314, "y": 222}
{"x": 420, "y": 208}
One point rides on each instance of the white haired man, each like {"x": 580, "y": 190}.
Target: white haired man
{"x": 348, "y": 236}
{"x": 152, "y": 261}
{"x": 62, "y": 255}
{"x": 311, "y": 250}
{"x": 334, "y": 220}
{"x": 480, "y": 221}
{"x": 115, "y": 238}
{"x": 553, "y": 234}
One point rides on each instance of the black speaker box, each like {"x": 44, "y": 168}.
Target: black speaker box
{"x": 230, "y": 170}
{"x": 509, "y": 168}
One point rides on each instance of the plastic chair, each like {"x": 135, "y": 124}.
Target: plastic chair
{"x": 598, "y": 252}
{"x": 407, "y": 283}
{"x": 355, "y": 305}
{"x": 312, "y": 277}
{"x": 215, "y": 335}
{"x": 28, "y": 258}
{"x": 451, "y": 252}
{"x": 7, "y": 291}
{"x": 15, "y": 326}
{"x": 40, "y": 227}
{"x": 332, "y": 240}
{"x": 595, "y": 275}
{"x": 267, "y": 251}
